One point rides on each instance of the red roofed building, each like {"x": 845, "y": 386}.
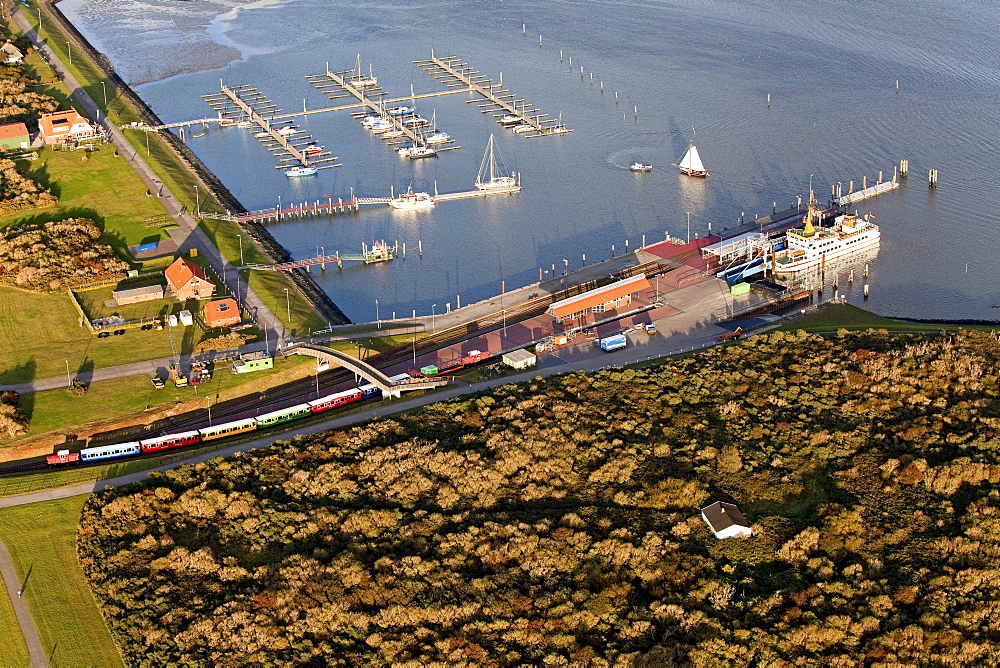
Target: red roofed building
{"x": 14, "y": 135}
{"x": 609, "y": 297}
{"x": 186, "y": 280}
{"x": 62, "y": 126}
{"x": 222, "y": 313}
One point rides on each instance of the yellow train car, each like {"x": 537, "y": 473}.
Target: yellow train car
{"x": 228, "y": 429}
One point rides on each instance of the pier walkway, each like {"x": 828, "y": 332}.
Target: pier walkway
{"x": 499, "y": 100}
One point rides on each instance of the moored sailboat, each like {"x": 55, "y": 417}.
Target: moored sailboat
{"x": 359, "y": 80}
{"x": 493, "y": 173}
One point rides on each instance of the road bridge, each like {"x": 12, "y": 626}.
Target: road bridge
{"x": 393, "y": 388}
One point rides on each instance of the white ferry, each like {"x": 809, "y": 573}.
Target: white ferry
{"x": 412, "y": 200}
{"x": 811, "y": 245}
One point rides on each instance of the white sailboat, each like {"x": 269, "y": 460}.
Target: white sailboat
{"x": 359, "y": 80}
{"x": 691, "y": 163}
{"x": 493, "y": 173}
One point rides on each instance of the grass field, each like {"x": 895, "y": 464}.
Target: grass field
{"x": 269, "y": 285}
{"x": 12, "y": 648}
{"x": 41, "y": 538}
{"x": 40, "y": 335}
{"x": 831, "y": 317}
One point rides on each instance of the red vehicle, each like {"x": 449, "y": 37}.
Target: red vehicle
{"x": 62, "y": 457}
{"x": 170, "y": 441}
{"x": 334, "y": 400}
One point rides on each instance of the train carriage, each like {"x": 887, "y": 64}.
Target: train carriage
{"x": 284, "y": 415}
{"x": 370, "y": 390}
{"x": 170, "y": 441}
{"x": 63, "y": 457}
{"x": 334, "y": 400}
{"x": 228, "y": 429}
{"x": 110, "y": 451}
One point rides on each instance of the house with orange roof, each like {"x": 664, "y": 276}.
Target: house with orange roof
{"x": 613, "y": 296}
{"x": 222, "y": 313}
{"x": 62, "y": 126}
{"x": 186, "y": 280}
{"x": 14, "y": 136}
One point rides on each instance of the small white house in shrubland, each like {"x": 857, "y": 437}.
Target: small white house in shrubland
{"x": 725, "y": 520}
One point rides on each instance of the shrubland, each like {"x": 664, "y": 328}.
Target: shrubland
{"x": 557, "y": 521}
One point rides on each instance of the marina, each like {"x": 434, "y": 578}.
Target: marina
{"x": 458, "y": 75}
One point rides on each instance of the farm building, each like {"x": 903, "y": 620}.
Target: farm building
{"x": 519, "y": 359}
{"x": 64, "y": 126}
{"x": 222, "y": 313}
{"x": 135, "y": 295}
{"x": 186, "y": 280}
{"x": 725, "y": 520}
{"x": 14, "y": 136}
{"x": 609, "y": 297}
{"x": 10, "y": 53}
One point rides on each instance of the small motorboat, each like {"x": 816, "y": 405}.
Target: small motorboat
{"x": 416, "y": 122}
{"x": 509, "y": 120}
{"x": 641, "y": 167}
{"x": 287, "y": 130}
{"x": 402, "y": 110}
{"x": 437, "y": 138}
{"x": 300, "y": 171}
{"x": 417, "y": 151}
{"x": 392, "y": 134}
{"x": 380, "y": 125}
{"x": 262, "y": 134}
{"x": 312, "y": 149}
{"x": 521, "y": 128}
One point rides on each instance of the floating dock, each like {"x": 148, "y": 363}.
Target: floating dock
{"x": 246, "y": 103}
{"x": 378, "y": 252}
{"x": 866, "y": 192}
{"x": 500, "y": 102}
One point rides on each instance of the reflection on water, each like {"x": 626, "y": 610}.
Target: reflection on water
{"x": 665, "y": 65}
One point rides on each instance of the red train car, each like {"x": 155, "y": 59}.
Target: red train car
{"x": 63, "y": 457}
{"x": 170, "y": 441}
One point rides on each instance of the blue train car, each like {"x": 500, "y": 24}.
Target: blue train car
{"x": 110, "y": 451}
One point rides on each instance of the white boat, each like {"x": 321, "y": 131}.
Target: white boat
{"x": 521, "y": 128}
{"x": 559, "y": 128}
{"x": 509, "y": 120}
{"x": 691, "y": 163}
{"x": 412, "y": 200}
{"x": 402, "y": 110}
{"x": 287, "y": 130}
{"x": 437, "y": 138}
{"x": 813, "y": 245}
{"x": 244, "y": 124}
{"x": 312, "y": 149}
{"x": 418, "y": 151}
{"x": 392, "y": 134}
{"x": 493, "y": 174}
{"x": 301, "y": 171}
{"x": 367, "y": 121}
{"x": 641, "y": 167}
{"x": 359, "y": 80}
{"x": 262, "y": 134}
{"x": 381, "y": 125}
{"x": 416, "y": 122}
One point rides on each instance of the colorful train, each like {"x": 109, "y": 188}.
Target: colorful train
{"x": 214, "y": 432}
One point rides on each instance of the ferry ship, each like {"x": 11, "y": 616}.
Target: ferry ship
{"x": 812, "y": 245}
{"x": 412, "y": 200}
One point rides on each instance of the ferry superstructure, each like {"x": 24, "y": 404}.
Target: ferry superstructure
{"x": 812, "y": 245}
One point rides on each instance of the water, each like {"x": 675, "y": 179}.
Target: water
{"x": 835, "y": 115}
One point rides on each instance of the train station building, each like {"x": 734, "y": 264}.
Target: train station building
{"x": 610, "y": 297}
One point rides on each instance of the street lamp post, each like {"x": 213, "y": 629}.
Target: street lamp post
{"x": 69, "y": 50}
{"x": 68, "y": 383}
{"x": 208, "y": 402}
{"x": 288, "y": 308}
{"x": 689, "y": 227}
{"x": 378, "y": 320}
{"x": 104, "y": 88}
{"x": 433, "y": 307}
{"x": 241, "y": 249}
{"x": 197, "y": 203}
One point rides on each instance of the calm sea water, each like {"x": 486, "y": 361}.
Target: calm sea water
{"x": 835, "y": 115}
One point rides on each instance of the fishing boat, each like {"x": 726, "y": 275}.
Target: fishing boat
{"x": 401, "y": 110}
{"x": 813, "y": 245}
{"x": 359, "y": 80}
{"x": 641, "y": 167}
{"x": 691, "y": 163}
{"x": 412, "y": 200}
{"x": 493, "y": 174}
{"x": 300, "y": 171}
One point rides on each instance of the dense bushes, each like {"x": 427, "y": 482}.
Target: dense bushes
{"x": 19, "y": 192}
{"x": 13, "y": 421}
{"x": 54, "y": 256}
{"x": 557, "y": 521}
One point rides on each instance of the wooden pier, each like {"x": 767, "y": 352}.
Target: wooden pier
{"x": 499, "y": 101}
{"x": 378, "y": 252}
{"x": 866, "y": 191}
{"x": 246, "y": 103}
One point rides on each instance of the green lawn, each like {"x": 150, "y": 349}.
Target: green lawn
{"x": 831, "y": 317}
{"x": 41, "y": 538}
{"x": 12, "y": 647}
{"x": 269, "y": 285}
{"x": 40, "y": 335}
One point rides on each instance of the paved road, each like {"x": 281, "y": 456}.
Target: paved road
{"x": 194, "y": 236}
{"x": 36, "y": 652}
